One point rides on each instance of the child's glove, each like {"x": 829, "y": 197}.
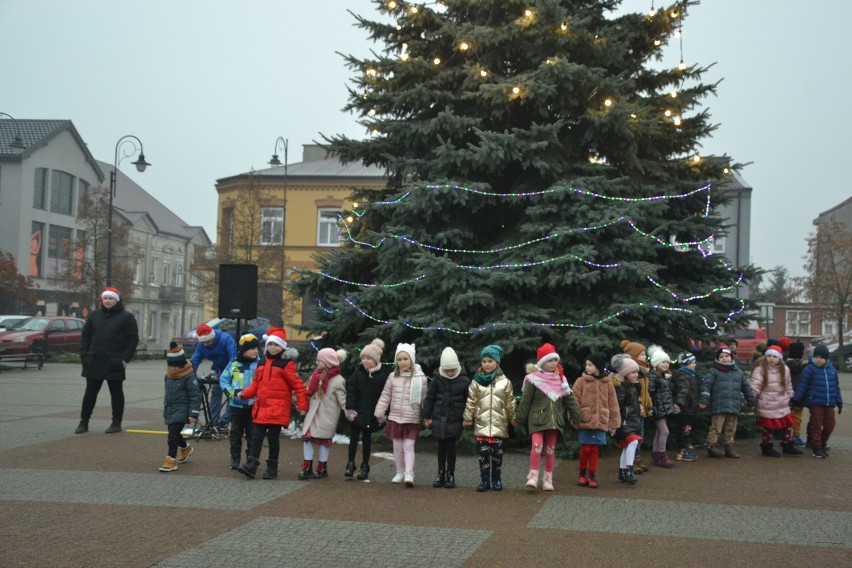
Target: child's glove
{"x": 382, "y": 421}
{"x": 839, "y": 407}
{"x": 795, "y": 403}
{"x": 351, "y": 414}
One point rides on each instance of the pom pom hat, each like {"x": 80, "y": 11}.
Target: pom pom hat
{"x": 175, "y": 357}
{"x": 623, "y": 364}
{"x": 277, "y": 336}
{"x": 545, "y": 353}
{"x": 111, "y": 293}
{"x": 657, "y": 356}
{"x": 330, "y": 357}
{"x": 374, "y": 350}
{"x": 633, "y": 349}
{"x": 205, "y": 333}
{"x": 685, "y": 358}
{"x": 724, "y": 349}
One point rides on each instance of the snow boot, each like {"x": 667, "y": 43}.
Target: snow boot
{"x": 271, "y": 469}
{"x": 441, "y": 480}
{"x": 82, "y": 427}
{"x": 350, "y": 469}
{"x": 769, "y": 451}
{"x": 789, "y": 449}
{"x": 249, "y": 469}
{"x": 364, "y": 474}
{"x": 307, "y": 470}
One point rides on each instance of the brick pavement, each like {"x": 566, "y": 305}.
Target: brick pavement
{"x": 98, "y": 499}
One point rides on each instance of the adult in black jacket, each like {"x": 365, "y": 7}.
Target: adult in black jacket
{"x": 107, "y": 344}
{"x": 443, "y": 411}
{"x": 363, "y": 389}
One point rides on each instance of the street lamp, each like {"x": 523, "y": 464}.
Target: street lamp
{"x": 17, "y": 143}
{"x": 276, "y": 163}
{"x": 127, "y": 145}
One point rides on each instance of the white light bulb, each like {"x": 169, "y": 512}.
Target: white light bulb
{"x": 668, "y": 112}
{"x": 437, "y": 61}
{"x": 608, "y": 102}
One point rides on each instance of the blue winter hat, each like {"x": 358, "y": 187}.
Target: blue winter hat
{"x": 492, "y": 351}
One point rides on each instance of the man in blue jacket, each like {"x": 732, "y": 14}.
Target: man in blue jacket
{"x": 220, "y": 349}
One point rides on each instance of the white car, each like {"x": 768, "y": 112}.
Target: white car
{"x": 6, "y": 321}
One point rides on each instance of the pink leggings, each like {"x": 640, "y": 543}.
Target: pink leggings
{"x": 403, "y": 455}
{"x": 544, "y": 440}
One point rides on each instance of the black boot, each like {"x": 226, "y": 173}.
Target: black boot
{"x": 364, "y": 474}
{"x": 769, "y": 451}
{"x": 114, "y": 428}
{"x": 235, "y": 461}
{"x": 496, "y": 483}
{"x": 730, "y": 452}
{"x": 485, "y": 483}
{"x": 249, "y": 469}
{"x": 451, "y": 480}
{"x": 788, "y": 449}
{"x": 441, "y": 480}
{"x": 307, "y": 470}
{"x": 82, "y": 427}
{"x": 350, "y": 469}
{"x": 322, "y": 470}
{"x": 271, "y": 470}
{"x": 630, "y": 475}
{"x": 621, "y": 471}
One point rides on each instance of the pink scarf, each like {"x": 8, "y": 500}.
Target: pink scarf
{"x": 551, "y": 384}
{"x": 320, "y": 379}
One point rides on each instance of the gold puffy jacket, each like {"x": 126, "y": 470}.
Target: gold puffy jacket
{"x": 491, "y": 408}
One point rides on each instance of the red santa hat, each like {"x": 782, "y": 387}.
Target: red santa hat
{"x": 111, "y": 293}
{"x": 774, "y": 350}
{"x": 276, "y": 335}
{"x": 205, "y": 333}
{"x": 545, "y": 353}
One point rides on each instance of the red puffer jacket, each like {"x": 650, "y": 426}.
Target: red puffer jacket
{"x": 274, "y": 384}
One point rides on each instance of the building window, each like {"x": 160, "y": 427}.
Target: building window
{"x": 152, "y": 324}
{"x": 719, "y": 244}
{"x": 327, "y": 228}
{"x": 798, "y": 323}
{"x": 62, "y": 193}
{"x": 139, "y": 272}
{"x": 271, "y": 226}
{"x": 82, "y": 191}
{"x": 59, "y": 247}
{"x": 829, "y": 326}
{"x": 179, "y": 276}
{"x": 36, "y": 249}
{"x": 165, "y": 273}
{"x": 40, "y": 189}
{"x": 152, "y": 277}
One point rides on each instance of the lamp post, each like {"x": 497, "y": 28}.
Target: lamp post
{"x": 276, "y": 163}
{"x": 17, "y": 142}
{"x": 127, "y": 145}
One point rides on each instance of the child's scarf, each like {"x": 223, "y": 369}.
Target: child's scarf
{"x": 551, "y": 384}
{"x": 320, "y": 379}
{"x": 415, "y": 391}
{"x": 485, "y": 379}
{"x": 179, "y": 372}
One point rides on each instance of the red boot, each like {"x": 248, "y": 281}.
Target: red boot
{"x": 583, "y": 480}
{"x": 593, "y": 484}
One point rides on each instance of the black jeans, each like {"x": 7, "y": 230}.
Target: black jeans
{"x": 176, "y": 439}
{"x": 116, "y": 393}
{"x": 447, "y": 455}
{"x": 356, "y": 432}
{"x": 269, "y": 431}
{"x": 241, "y": 425}
{"x": 683, "y": 427}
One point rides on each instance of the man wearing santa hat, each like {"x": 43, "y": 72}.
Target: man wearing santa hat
{"x": 220, "y": 348}
{"x": 107, "y": 344}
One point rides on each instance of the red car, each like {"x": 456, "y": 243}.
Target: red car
{"x": 42, "y": 334}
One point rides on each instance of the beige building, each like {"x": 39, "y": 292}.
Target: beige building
{"x": 280, "y": 218}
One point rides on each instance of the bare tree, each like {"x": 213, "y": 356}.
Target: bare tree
{"x": 828, "y": 281}
{"x": 17, "y": 292}
{"x": 778, "y": 289}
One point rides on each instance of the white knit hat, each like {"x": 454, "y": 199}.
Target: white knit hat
{"x": 405, "y": 348}
{"x": 656, "y": 355}
{"x": 449, "y": 359}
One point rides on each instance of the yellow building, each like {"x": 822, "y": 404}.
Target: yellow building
{"x": 279, "y": 218}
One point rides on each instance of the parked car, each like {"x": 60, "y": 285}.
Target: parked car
{"x": 834, "y": 346}
{"x": 257, "y": 326}
{"x": 7, "y": 321}
{"x": 42, "y": 334}
{"x": 747, "y": 341}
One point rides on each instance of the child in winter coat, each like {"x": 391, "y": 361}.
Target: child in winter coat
{"x": 686, "y": 388}
{"x": 443, "y": 412}
{"x": 638, "y": 353}
{"x": 599, "y": 415}
{"x": 720, "y": 390}
{"x": 236, "y": 377}
{"x": 403, "y": 396}
{"x": 181, "y": 404}
{"x": 546, "y": 399}
{"x": 326, "y": 392}
{"x": 772, "y": 386}
{"x": 660, "y": 390}
{"x": 796, "y": 363}
{"x": 363, "y": 389}
{"x": 819, "y": 390}
{"x": 627, "y": 436}
{"x": 490, "y": 409}
{"x": 274, "y": 384}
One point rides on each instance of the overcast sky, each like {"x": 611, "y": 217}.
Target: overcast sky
{"x": 209, "y": 85}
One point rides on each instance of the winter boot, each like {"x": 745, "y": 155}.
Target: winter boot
{"x": 82, "y": 427}
{"x": 451, "y": 480}
{"x": 322, "y": 470}
{"x": 249, "y": 469}
{"x": 630, "y": 475}
{"x": 621, "y": 471}
{"x": 271, "y": 469}
{"x": 113, "y": 428}
{"x": 485, "y": 481}
{"x": 583, "y": 480}
{"x": 819, "y": 453}
{"x": 547, "y": 483}
{"x": 593, "y": 483}
{"x": 184, "y": 453}
{"x": 769, "y": 451}
{"x": 496, "y": 482}
{"x": 664, "y": 460}
{"x": 713, "y": 451}
{"x": 235, "y": 461}
{"x": 364, "y": 474}
{"x": 655, "y": 458}
{"x": 441, "y": 480}
{"x": 532, "y": 479}
{"x": 170, "y": 464}
{"x": 730, "y": 453}
{"x": 639, "y": 467}
{"x": 350, "y": 469}
{"x": 686, "y": 456}
{"x": 789, "y": 449}
{"x": 307, "y": 470}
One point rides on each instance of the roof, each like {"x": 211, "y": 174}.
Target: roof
{"x": 134, "y": 202}
{"x": 35, "y": 134}
{"x": 322, "y": 167}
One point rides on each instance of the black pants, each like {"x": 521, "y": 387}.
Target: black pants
{"x": 356, "y": 432}
{"x": 176, "y": 439}
{"x": 116, "y": 393}
{"x": 269, "y": 431}
{"x": 683, "y": 427}
{"x": 491, "y": 458}
{"x": 447, "y": 455}
{"x": 241, "y": 425}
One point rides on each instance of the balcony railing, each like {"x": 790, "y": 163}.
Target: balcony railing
{"x": 172, "y": 294}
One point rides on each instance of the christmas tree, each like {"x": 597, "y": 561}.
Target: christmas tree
{"x": 544, "y": 185}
